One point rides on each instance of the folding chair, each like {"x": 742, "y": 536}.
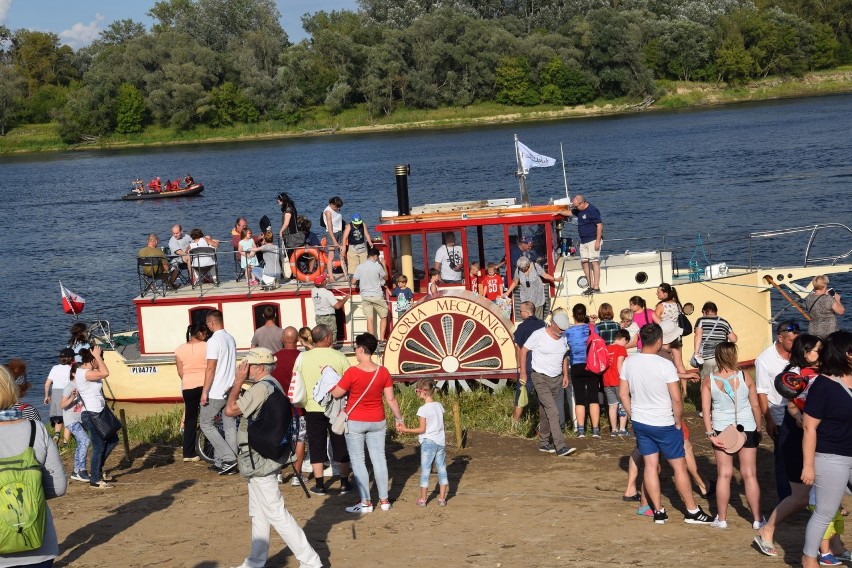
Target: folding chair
{"x": 152, "y": 275}
{"x": 240, "y": 272}
{"x": 203, "y": 264}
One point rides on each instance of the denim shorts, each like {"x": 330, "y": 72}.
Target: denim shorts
{"x": 611, "y": 395}
{"x": 665, "y": 440}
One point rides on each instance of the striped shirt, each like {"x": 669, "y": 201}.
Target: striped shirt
{"x": 714, "y": 330}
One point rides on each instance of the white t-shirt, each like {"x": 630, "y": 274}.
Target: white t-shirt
{"x": 91, "y": 392}
{"x": 60, "y": 375}
{"x": 649, "y": 376}
{"x": 336, "y": 220}
{"x": 547, "y": 353}
{"x": 222, "y": 347}
{"x": 433, "y": 412}
{"x": 767, "y": 366}
{"x": 447, "y": 256}
{"x": 324, "y": 301}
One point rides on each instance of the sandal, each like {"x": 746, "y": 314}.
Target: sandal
{"x": 421, "y": 502}
{"x": 634, "y": 497}
{"x": 766, "y": 547}
{"x": 442, "y": 502}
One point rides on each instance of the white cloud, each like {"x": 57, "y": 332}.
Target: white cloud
{"x": 5, "y": 6}
{"x": 80, "y": 34}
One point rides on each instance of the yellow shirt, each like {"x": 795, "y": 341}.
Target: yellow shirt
{"x": 311, "y": 366}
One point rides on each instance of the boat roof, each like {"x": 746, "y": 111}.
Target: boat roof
{"x": 455, "y": 215}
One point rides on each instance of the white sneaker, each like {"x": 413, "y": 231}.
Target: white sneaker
{"x": 295, "y": 481}
{"x": 717, "y": 524}
{"x": 757, "y": 525}
{"x": 361, "y": 508}
{"x": 386, "y": 506}
{"x": 279, "y": 479}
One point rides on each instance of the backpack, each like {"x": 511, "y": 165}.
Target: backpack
{"x": 270, "y": 432}
{"x": 597, "y": 356}
{"x": 322, "y": 219}
{"x": 23, "y": 510}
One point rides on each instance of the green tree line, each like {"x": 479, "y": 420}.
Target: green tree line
{"x": 219, "y": 62}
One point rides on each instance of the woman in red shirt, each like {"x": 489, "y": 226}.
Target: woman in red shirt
{"x": 366, "y": 384}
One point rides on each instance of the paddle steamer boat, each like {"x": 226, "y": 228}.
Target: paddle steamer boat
{"x": 458, "y": 337}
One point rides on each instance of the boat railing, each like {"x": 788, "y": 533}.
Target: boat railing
{"x": 703, "y": 245}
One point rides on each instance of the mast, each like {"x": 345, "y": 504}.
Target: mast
{"x": 564, "y": 175}
{"x": 522, "y": 178}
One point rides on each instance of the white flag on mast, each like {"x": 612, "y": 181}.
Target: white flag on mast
{"x": 530, "y": 159}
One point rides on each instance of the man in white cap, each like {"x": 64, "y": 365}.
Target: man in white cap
{"x": 266, "y": 504}
{"x": 549, "y": 370}
{"x": 356, "y": 243}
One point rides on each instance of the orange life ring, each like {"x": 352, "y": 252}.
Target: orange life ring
{"x": 338, "y": 262}
{"x": 314, "y": 253}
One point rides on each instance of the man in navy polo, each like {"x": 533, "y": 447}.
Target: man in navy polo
{"x": 590, "y": 229}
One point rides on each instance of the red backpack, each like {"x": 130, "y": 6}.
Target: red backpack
{"x": 597, "y": 356}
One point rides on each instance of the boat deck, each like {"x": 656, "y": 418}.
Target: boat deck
{"x": 233, "y": 288}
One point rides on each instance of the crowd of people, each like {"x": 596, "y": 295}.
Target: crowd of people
{"x": 797, "y": 395}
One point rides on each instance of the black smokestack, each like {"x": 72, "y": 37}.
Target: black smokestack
{"x": 402, "y": 172}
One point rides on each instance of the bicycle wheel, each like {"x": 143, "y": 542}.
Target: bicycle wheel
{"x": 203, "y": 448}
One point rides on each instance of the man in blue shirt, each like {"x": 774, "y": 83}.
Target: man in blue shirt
{"x": 590, "y": 229}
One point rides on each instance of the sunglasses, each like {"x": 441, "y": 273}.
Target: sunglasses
{"x": 791, "y": 327}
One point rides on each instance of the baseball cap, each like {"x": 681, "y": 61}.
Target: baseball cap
{"x": 561, "y": 320}
{"x": 320, "y": 278}
{"x": 356, "y": 219}
{"x": 67, "y": 352}
{"x": 526, "y": 240}
{"x": 260, "y": 356}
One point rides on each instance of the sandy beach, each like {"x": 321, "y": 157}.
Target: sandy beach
{"x": 509, "y": 505}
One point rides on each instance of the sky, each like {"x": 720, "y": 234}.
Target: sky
{"x": 78, "y": 22}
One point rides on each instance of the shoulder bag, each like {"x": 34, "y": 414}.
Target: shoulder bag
{"x": 106, "y": 424}
{"x": 340, "y": 425}
{"x": 683, "y": 322}
{"x": 733, "y": 436}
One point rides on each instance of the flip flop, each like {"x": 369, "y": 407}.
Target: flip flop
{"x": 634, "y": 497}
{"x": 766, "y": 547}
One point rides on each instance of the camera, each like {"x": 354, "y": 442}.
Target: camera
{"x": 831, "y": 292}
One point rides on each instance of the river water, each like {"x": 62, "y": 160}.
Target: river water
{"x": 723, "y": 171}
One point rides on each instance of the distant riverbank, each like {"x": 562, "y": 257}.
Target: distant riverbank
{"x": 671, "y": 95}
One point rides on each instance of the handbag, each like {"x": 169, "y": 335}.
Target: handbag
{"x": 733, "y": 436}
{"x": 340, "y": 424}
{"x": 684, "y": 324}
{"x": 294, "y": 240}
{"x": 105, "y": 422}
{"x": 523, "y": 397}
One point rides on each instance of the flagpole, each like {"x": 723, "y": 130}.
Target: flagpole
{"x": 564, "y": 175}
{"x": 522, "y": 181}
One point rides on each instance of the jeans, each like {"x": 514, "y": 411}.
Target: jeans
{"x": 267, "y": 510}
{"x": 548, "y": 392}
{"x": 782, "y": 482}
{"x": 101, "y": 448}
{"x": 373, "y": 433}
{"x": 76, "y": 428}
{"x": 831, "y": 475}
{"x": 192, "y": 406}
{"x": 225, "y": 449}
{"x": 430, "y": 452}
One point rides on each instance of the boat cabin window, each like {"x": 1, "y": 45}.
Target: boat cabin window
{"x": 199, "y": 314}
{"x": 262, "y": 312}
